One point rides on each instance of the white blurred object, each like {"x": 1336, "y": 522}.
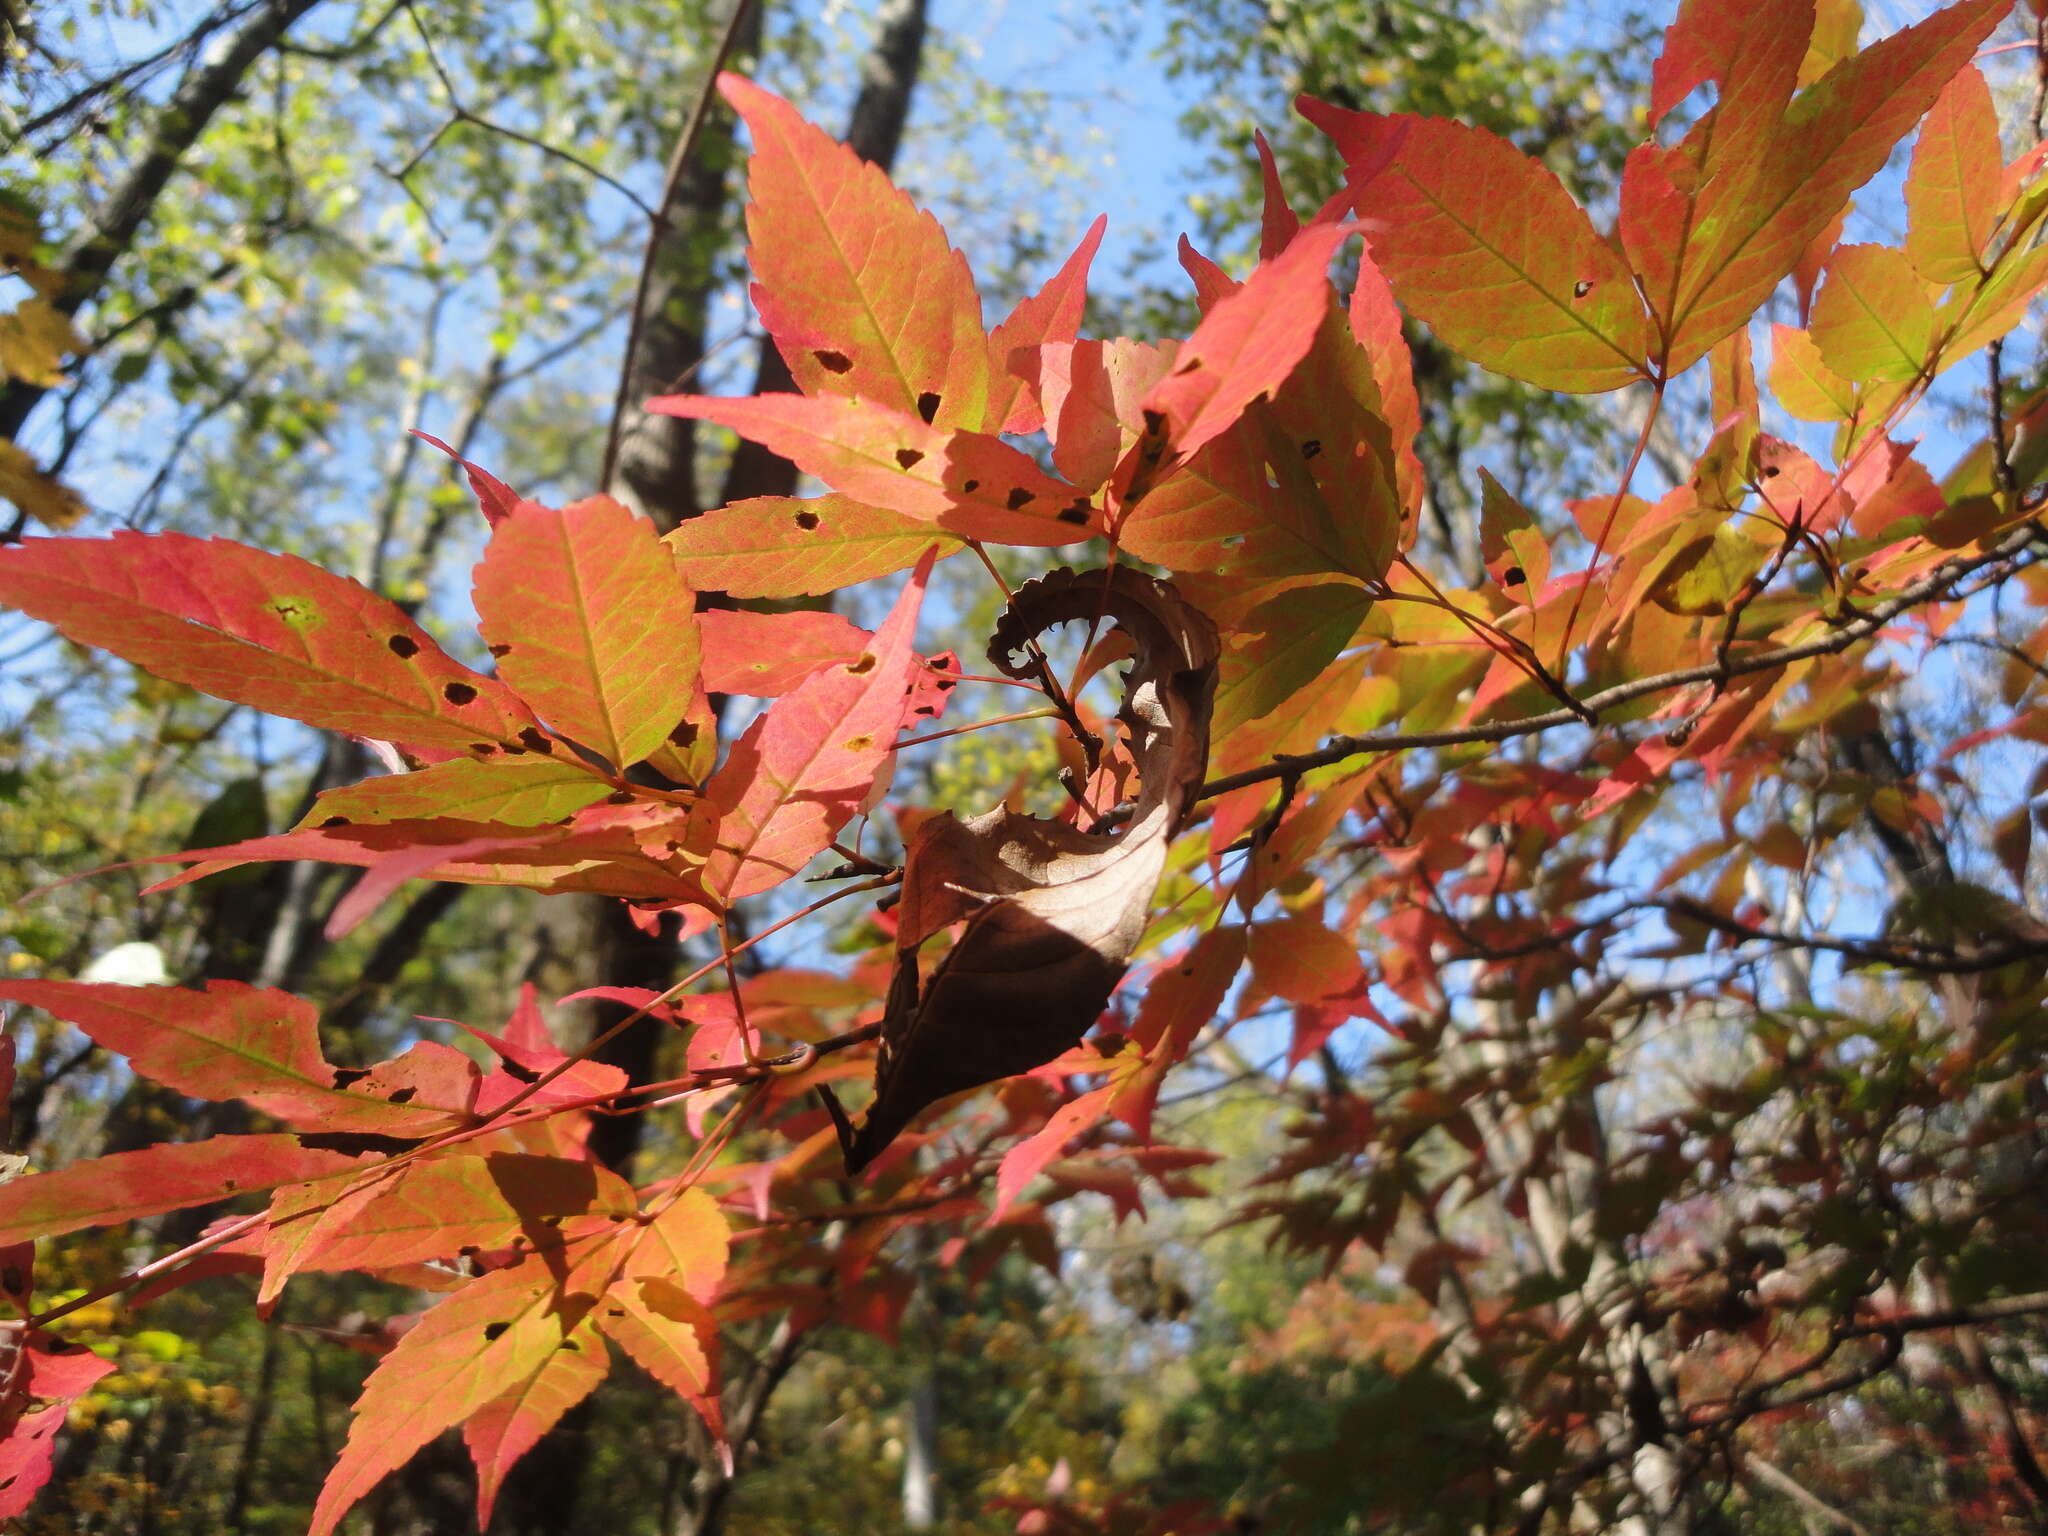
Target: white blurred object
{"x": 139, "y": 964}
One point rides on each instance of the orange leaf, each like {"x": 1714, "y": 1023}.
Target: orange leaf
{"x": 777, "y": 546}
{"x": 1488, "y": 247}
{"x": 591, "y": 622}
{"x": 1952, "y": 189}
{"x": 968, "y": 483}
{"x": 490, "y": 1338}
{"x": 864, "y": 297}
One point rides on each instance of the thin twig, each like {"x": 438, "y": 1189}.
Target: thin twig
{"x": 678, "y": 162}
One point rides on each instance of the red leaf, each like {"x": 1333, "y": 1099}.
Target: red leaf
{"x": 806, "y": 766}
{"x": 266, "y": 630}
{"x": 169, "y": 1177}
{"x": 591, "y": 622}
{"x": 229, "y": 1041}
{"x": 1094, "y": 393}
{"x": 1185, "y": 994}
{"x": 1488, "y": 247}
{"x": 1249, "y": 342}
{"x": 1050, "y": 317}
{"x": 494, "y": 497}
{"x": 1377, "y": 324}
{"x": 25, "y": 1457}
{"x": 764, "y": 655}
{"x": 1279, "y": 224}
{"x": 857, "y": 285}
{"x": 1025, "y": 1161}
{"x": 601, "y": 851}
{"x": 967, "y": 483}
{"x": 1301, "y": 959}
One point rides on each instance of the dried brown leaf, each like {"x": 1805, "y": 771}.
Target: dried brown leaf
{"x": 1052, "y": 912}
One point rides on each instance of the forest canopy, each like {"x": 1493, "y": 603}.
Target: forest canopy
{"x": 720, "y": 819}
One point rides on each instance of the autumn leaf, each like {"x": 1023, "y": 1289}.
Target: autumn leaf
{"x": 512, "y": 1423}
{"x": 1803, "y": 382}
{"x": 437, "y": 1207}
{"x": 1872, "y": 322}
{"x": 1185, "y": 993}
{"x": 49, "y": 1376}
{"x": 1249, "y": 342}
{"x": 271, "y": 631}
{"x": 489, "y": 1339}
{"x": 1052, "y": 912}
{"x": 787, "y": 546}
{"x": 1952, "y": 188}
{"x": 1714, "y": 222}
{"x": 125, "y": 1185}
{"x": 1094, "y": 393}
{"x": 803, "y": 769}
{"x": 512, "y": 792}
{"x": 229, "y": 1041}
{"x": 764, "y": 655}
{"x": 1305, "y": 484}
{"x": 1049, "y": 318}
{"x": 1487, "y": 246}
{"x": 494, "y": 498}
{"x": 589, "y": 619}
{"x": 43, "y": 497}
{"x": 969, "y": 483}
{"x": 671, "y": 1336}
{"x": 858, "y": 286}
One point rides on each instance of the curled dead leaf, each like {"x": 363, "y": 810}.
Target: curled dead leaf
{"x": 1052, "y": 912}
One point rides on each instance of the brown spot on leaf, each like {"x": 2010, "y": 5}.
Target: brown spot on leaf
{"x": 402, "y": 1095}
{"x": 495, "y": 1331}
{"x": 970, "y": 486}
{"x": 482, "y": 748}
{"x": 865, "y": 662}
{"x": 684, "y": 735}
{"x": 928, "y": 405}
{"x": 834, "y": 362}
{"x": 534, "y": 741}
{"x": 1311, "y": 448}
{"x": 343, "y": 1076}
{"x": 1018, "y": 499}
{"x": 1581, "y": 288}
{"x": 1513, "y": 576}
{"x": 335, "y": 821}
{"x": 807, "y": 521}
{"x": 1075, "y": 515}
{"x": 458, "y": 693}
{"x": 502, "y": 648}
{"x": 403, "y": 646}
{"x": 908, "y": 457}
{"x": 859, "y": 743}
